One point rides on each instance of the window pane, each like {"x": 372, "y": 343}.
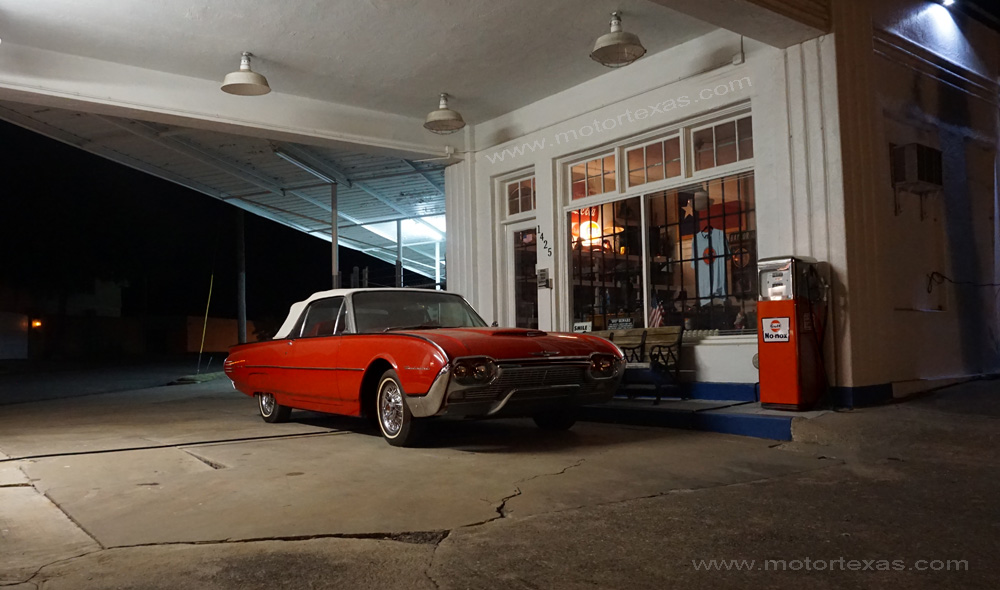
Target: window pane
{"x": 725, "y": 144}
{"x": 635, "y": 159}
{"x": 745, "y": 132}
{"x": 704, "y": 149}
{"x": 513, "y": 200}
{"x": 579, "y": 172}
{"x": 580, "y": 189}
{"x": 672, "y": 149}
{"x": 527, "y": 195}
{"x": 595, "y": 186}
{"x": 609, "y": 164}
{"x": 609, "y": 182}
{"x": 654, "y": 162}
{"x": 594, "y": 168}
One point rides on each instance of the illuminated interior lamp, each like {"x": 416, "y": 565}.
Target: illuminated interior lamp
{"x": 948, "y": 3}
{"x": 590, "y": 234}
{"x": 36, "y": 323}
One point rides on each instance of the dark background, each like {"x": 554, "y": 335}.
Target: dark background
{"x": 69, "y": 217}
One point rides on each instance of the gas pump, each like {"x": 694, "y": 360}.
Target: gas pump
{"x": 792, "y": 310}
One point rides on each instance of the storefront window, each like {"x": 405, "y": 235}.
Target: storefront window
{"x": 594, "y": 177}
{"x": 606, "y": 265}
{"x": 703, "y": 255}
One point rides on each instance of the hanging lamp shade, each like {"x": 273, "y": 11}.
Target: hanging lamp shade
{"x": 444, "y": 120}
{"x": 617, "y": 48}
{"x": 245, "y": 82}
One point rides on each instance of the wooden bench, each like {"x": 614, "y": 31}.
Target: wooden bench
{"x": 656, "y": 351}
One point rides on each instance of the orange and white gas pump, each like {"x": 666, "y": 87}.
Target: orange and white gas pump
{"x": 792, "y": 311}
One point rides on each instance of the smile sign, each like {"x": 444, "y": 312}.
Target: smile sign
{"x": 774, "y": 329}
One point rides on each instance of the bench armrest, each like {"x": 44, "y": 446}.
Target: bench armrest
{"x": 664, "y": 355}
{"x": 633, "y": 354}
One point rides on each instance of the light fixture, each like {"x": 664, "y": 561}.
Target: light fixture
{"x": 36, "y": 323}
{"x": 701, "y": 200}
{"x": 245, "y": 82}
{"x": 444, "y": 120}
{"x": 617, "y": 48}
{"x": 948, "y": 3}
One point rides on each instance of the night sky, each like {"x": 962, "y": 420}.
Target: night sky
{"x": 69, "y": 217}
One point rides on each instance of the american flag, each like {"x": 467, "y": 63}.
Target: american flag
{"x": 656, "y": 313}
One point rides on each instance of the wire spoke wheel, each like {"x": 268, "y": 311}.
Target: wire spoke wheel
{"x": 395, "y": 421}
{"x": 391, "y": 410}
{"x": 271, "y": 410}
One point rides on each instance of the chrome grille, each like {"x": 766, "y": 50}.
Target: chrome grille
{"x": 534, "y": 381}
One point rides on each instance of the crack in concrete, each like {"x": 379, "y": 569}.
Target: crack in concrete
{"x": 180, "y": 446}
{"x": 694, "y": 490}
{"x": 412, "y": 537}
{"x": 208, "y": 462}
{"x": 564, "y": 470}
{"x": 31, "y": 578}
{"x": 71, "y": 519}
{"x": 16, "y": 485}
{"x": 430, "y": 566}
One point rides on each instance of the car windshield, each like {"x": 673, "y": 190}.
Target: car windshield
{"x": 382, "y": 311}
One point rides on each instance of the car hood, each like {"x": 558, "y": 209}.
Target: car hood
{"x": 515, "y": 343}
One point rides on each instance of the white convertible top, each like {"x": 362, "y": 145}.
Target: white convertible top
{"x": 296, "y": 310}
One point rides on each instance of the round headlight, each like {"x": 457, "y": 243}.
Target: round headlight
{"x": 602, "y": 366}
{"x": 476, "y": 371}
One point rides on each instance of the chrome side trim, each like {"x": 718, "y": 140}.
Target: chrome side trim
{"x": 302, "y": 368}
{"x": 431, "y": 403}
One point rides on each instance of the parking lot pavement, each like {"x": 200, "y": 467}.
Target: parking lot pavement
{"x": 185, "y": 487}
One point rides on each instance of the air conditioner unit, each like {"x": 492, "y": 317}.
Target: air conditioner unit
{"x": 917, "y": 169}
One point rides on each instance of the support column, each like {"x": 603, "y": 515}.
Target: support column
{"x": 241, "y": 278}
{"x": 399, "y": 253}
{"x": 437, "y": 266}
{"x": 334, "y": 246}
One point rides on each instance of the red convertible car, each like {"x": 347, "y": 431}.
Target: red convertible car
{"x": 400, "y": 355}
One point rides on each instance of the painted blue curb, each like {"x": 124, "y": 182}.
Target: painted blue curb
{"x": 754, "y": 425}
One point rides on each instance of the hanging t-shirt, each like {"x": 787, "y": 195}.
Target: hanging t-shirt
{"x": 710, "y": 251}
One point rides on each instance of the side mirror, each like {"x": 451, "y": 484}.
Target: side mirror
{"x": 494, "y": 325}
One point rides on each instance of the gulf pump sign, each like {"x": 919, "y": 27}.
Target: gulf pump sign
{"x": 774, "y": 329}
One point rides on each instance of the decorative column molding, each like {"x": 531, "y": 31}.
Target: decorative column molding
{"x": 865, "y": 164}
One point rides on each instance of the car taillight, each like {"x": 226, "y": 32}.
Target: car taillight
{"x": 476, "y": 371}
{"x": 603, "y": 366}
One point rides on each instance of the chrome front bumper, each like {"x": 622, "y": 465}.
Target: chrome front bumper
{"x": 524, "y": 387}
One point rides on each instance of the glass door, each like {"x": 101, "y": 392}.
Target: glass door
{"x": 522, "y": 245}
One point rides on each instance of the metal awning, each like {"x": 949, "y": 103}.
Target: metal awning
{"x": 286, "y": 182}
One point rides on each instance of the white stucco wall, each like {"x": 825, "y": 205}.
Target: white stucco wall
{"x": 792, "y": 94}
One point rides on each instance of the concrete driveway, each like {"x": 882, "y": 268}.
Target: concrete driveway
{"x": 184, "y": 486}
